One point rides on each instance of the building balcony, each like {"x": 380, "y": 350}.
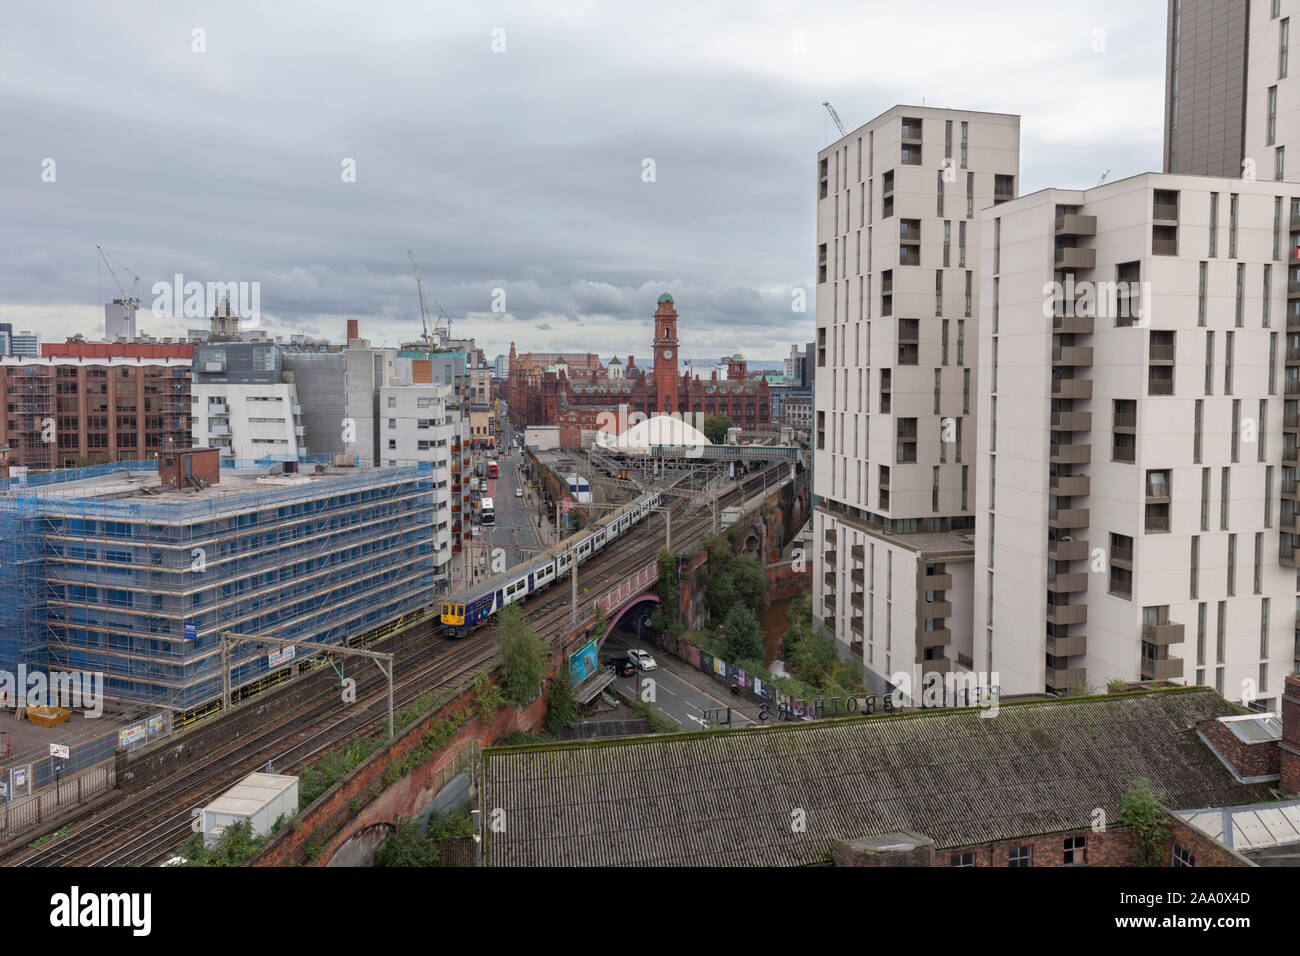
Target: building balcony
{"x": 830, "y": 558}
{"x": 219, "y": 429}
{"x": 1123, "y": 557}
{"x": 855, "y": 625}
{"x": 1164, "y": 247}
{"x": 933, "y": 610}
{"x": 1161, "y": 634}
{"x": 1076, "y": 388}
{"x": 1291, "y": 490}
{"x": 1072, "y": 421}
{"x": 1061, "y": 678}
{"x": 1073, "y": 257}
{"x": 829, "y": 599}
{"x": 1075, "y": 224}
{"x": 1161, "y": 355}
{"x": 1167, "y": 668}
{"x": 1068, "y": 518}
{"x": 1067, "y": 550}
{"x": 934, "y": 582}
{"x": 859, "y": 577}
{"x": 1291, "y": 454}
{"x": 1075, "y": 583}
{"x": 856, "y": 599}
{"x": 1070, "y": 453}
{"x": 227, "y": 452}
{"x": 1067, "y": 613}
{"x": 1165, "y": 214}
{"x": 297, "y": 409}
{"x": 939, "y": 665}
{"x": 1072, "y": 324}
{"x": 1072, "y": 646}
{"x": 829, "y": 536}
{"x": 1293, "y": 288}
{"x": 1286, "y": 557}
{"x": 218, "y": 408}
{"x": 1293, "y": 320}
{"x": 1077, "y": 356}
{"x": 938, "y": 638}
{"x": 828, "y": 578}
{"x": 1066, "y": 486}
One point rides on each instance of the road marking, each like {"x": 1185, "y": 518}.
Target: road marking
{"x": 698, "y": 720}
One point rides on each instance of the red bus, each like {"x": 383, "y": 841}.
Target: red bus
{"x": 493, "y": 470}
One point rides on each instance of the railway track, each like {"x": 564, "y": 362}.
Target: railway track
{"x": 147, "y": 827}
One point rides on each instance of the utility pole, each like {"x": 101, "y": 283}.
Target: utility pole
{"x": 573, "y": 590}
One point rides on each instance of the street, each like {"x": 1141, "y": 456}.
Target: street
{"x": 681, "y": 692}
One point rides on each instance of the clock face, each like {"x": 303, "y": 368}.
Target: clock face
{"x": 668, "y": 353}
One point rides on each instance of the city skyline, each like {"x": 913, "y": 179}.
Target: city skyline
{"x": 548, "y": 205}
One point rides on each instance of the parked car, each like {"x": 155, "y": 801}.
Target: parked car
{"x": 642, "y": 659}
{"x": 622, "y": 666}
{"x": 519, "y": 492}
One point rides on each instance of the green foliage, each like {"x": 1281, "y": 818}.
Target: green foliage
{"x": 521, "y": 657}
{"x": 660, "y": 723}
{"x": 561, "y": 708}
{"x": 522, "y": 738}
{"x": 1141, "y": 814}
{"x": 488, "y": 698}
{"x": 730, "y": 578}
{"x": 236, "y": 847}
{"x": 715, "y": 428}
{"x": 405, "y": 716}
{"x": 811, "y": 656}
{"x": 332, "y": 768}
{"x": 740, "y": 632}
{"x": 453, "y": 823}
{"x": 665, "y": 617}
{"x": 405, "y": 847}
{"x": 48, "y": 838}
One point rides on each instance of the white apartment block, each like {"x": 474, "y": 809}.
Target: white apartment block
{"x": 896, "y": 385}
{"x": 248, "y": 421}
{"x": 1272, "y": 114}
{"x": 421, "y": 423}
{"x": 1136, "y": 481}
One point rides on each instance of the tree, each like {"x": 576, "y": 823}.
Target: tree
{"x": 665, "y": 617}
{"x": 743, "y": 638}
{"x": 1141, "y": 814}
{"x": 521, "y": 657}
{"x": 715, "y": 428}
{"x": 748, "y": 581}
{"x": 405, "y": 847}
{"x": 561, "y": 708}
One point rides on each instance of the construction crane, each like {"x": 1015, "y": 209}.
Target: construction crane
{"x": 128, "y": 298}
{"x": 425, "y": 314}
{"x": 836, "y": 117}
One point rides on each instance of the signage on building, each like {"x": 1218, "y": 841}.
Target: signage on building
{"x": 191, "y": 631}
{"x": 129, "y": 735}
{"x": 60, "y": 750}
{"x": 282, "y": 656}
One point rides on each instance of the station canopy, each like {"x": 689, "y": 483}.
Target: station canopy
{"x": 660, "y": 430}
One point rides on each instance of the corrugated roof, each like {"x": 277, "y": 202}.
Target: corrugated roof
{"x": 732, "y": 797}
{"x": 1250, "y": 828}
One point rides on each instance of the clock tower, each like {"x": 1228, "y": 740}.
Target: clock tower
{"x": 666, "y": 376}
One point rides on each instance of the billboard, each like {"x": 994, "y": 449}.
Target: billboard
{"x": 582, "y": 663}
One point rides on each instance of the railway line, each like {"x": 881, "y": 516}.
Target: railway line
{"x": 148, "y": 827}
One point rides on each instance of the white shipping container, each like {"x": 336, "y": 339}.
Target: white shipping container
{"x": 260, "y": 798}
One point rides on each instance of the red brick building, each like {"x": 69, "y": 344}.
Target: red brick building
{"x": 538, "y": 393}
{"x": 59, "y": 411}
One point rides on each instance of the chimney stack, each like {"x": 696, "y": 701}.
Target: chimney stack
{"x": 353, "y": 331}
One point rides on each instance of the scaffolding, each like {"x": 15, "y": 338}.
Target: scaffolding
{"x": 23, "y": 634}
{"x": 30, "y": 404}
{"x": 138, "y": 583}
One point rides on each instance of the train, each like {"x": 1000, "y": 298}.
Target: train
{"x": 468, "y": 609}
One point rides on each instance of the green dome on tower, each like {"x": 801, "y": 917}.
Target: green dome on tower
{"x": 665, "y": 298}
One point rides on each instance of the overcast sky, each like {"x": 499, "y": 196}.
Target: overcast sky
{"x": 519, "y": 169}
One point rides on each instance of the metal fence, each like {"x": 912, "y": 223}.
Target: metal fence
{"x": 25, "y": 814}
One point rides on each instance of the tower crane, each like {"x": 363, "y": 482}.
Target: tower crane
{"x": 129, "y": 299}
{"x": 425, "y": 314}
{"x": 836, "y": 117}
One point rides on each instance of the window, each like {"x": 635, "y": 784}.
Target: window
{"x": 1241, "y": 294}
{"x": 1123, "y": 430}
{"x": 1223, "y": 501}
{"x": 1200, "y": 297}
{"x": 963, "y": 859}
{"x": 1272, "y": 116}
{"x": 1205, "y": 499}
{"x": 1194, "y": 563}
{"x": 1198, "y": 417}
{"x": 964, "y": 141}
{"x": 1214, "y": 225}
{"x": 1265, "y": 320}
{"x": 392, "y": 423}
{"x": 1232, "y": 565}
{"x": 1158, "y": 499}
{"x": 1236, "y": 430}
{"x": 1284, "y": 39}
{"x": 392, "y": 402}
{"x": 968, "y": 295}
{"x": 1183, "y": 856}
{"x": 938, "y": 375}
{"x": 943, "y": 343}
{"x": 961, "y": 341}
{"x": 970, "y": 188}
{"x": 1075, "y": 850}
{"x": 965, "y": 398}
{"x": 906, "y": 444}
{"x": 938, "y": 209}
{"x": 1279, "y": 163}
{"x": 1020, "y": 856}
{"x": 1209, "y": 363}
{"x": 1232, "y": 232}
{"x": 961, "y": 245}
